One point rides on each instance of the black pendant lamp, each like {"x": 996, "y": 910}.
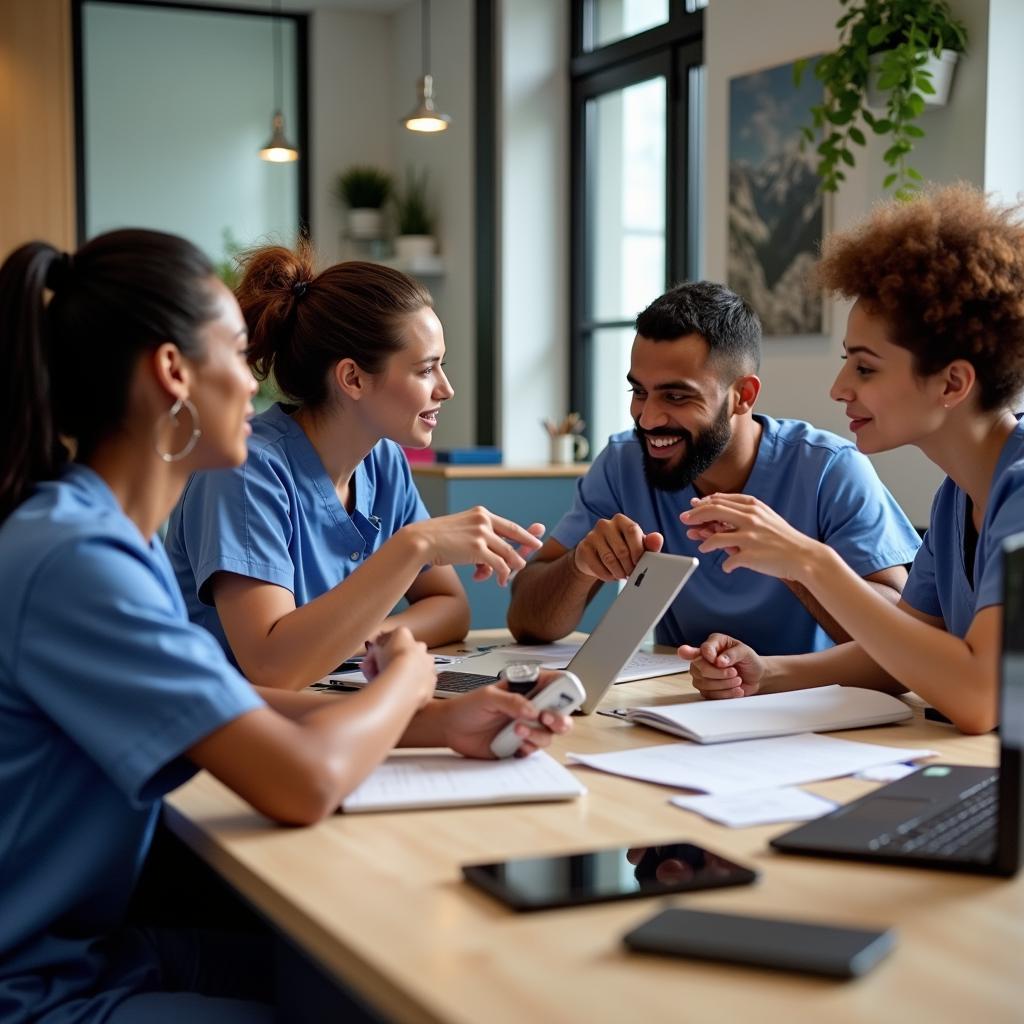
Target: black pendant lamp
{"x": 278, "y": 150}
{"x": 425, "y": 117}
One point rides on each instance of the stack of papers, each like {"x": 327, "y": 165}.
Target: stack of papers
{"x": 747, "y": 766}
{"x": 761, "y": 807}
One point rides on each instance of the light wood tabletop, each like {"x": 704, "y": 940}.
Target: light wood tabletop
{"x": 378, "y": 900}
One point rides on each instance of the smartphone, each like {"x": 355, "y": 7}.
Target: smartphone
{"x": 828, "y": 950}
{"x": 539, "y": 883}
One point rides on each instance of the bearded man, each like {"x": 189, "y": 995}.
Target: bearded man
{"x": 694, "y": 384}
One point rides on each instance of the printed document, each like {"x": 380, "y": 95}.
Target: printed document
{"x": 748, "y": 764}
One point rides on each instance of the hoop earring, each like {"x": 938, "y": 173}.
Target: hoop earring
{"x": 172, "y": 415}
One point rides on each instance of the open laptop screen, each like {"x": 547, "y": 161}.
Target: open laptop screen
{"x": 1010, "y": 847}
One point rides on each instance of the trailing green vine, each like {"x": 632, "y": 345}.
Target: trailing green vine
{"x": 889, "y": 41}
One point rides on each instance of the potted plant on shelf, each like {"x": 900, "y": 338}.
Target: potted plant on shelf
{"x": 415, "y": 221}
{"x": 364, "y": 191}
{"x": 896, "y": 56}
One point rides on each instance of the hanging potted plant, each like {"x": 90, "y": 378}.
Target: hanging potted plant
{"x": 414, "y": 219}
{"x": 364, "y": 191}
{"x": 896, "y": 56}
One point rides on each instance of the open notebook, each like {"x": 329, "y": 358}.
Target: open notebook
{"x": 406, "y": 781}
{"x": 822, "y": 709}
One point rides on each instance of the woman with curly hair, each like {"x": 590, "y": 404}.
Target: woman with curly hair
{"x": 934, "y": 357}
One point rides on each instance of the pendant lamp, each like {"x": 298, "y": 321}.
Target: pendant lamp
{"x": 425, "y": 118}
{"x": 278, "y": 149}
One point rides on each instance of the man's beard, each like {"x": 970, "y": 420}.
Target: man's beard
{"x": 698, "y": 456}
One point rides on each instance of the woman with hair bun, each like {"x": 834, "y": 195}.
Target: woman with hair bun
{"x": 134, "y": 354}
{"x": 293, "y": 560}
{"x": 934, "y": 358}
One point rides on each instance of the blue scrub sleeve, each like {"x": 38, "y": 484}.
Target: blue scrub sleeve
{"x": 239, "y": 521}
{"x": 921, "y": 591}
{"x": 596, "y": 498}
{"x": 1005, "y": 518}
{"x": 860, "y": 519}
{"x": 120, "y": 669}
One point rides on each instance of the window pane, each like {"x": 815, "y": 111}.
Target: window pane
{"x": 617, "y": 19}
{"x": 181, "y": 154}
{"x": 609, "y": 398}
{"x": 626, "y": 200}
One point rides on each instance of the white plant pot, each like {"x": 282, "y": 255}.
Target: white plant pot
{"x": 940, "y": 68}
{"x": 365, "y": 223}
{"x": 414, "y": 247}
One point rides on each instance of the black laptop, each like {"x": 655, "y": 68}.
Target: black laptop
{"x": 947, "y": 816}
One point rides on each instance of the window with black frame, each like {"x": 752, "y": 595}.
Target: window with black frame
{"x": 637, "y": 80}
{"x": 175, "y": 105}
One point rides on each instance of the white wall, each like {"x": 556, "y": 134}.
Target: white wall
{"x": 364, "y": 67}
{"x": 352, "y": 110}
{"x": 1004, "y": 142}
{"x": 534, "y": 223}
{"x": 449, "y": 159}
{"x": 741, "y": 37}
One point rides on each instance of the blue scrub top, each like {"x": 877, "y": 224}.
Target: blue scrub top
{"x": 819, "y": 483}
{"x": 939, "y": 583}
{"x": 277, "y": 518}
{"x": 104, "y": 683}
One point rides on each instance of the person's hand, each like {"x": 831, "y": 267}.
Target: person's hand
{"x": 753, "y": 535}
{"x": 612, "y": 548}
{"x": 723, "y": 667}
{"x": 496, "y": 546}
{"x": 398, "y": 650}
{"x": 469, "y": 723}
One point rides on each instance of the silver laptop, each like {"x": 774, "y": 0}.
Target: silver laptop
{"x": 643, "y": 600}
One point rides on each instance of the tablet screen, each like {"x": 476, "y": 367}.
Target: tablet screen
{"x": 535, "y": 883}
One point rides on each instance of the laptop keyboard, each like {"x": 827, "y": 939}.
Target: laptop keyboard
{"x": 462, "y": 682}
{"x": 968, "y": 824}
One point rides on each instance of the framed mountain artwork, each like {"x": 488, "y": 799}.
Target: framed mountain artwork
{"x": 776, "y": 213}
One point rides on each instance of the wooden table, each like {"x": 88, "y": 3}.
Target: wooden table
{"x": 377, "y": 900}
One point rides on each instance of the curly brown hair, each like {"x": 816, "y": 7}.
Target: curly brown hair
{"x": 946, "y": 271}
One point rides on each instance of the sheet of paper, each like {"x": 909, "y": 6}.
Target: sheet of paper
{"x": 445, "y": 779}
{"x": 887, "y": 772}
{"x": 748, "y": 764}
{"x": 761, "y": 807}
{"x": 643, "y": 664}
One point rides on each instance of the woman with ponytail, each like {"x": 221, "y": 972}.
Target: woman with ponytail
{"x": 293, "y": 560}
{"x": 125, "y": 373}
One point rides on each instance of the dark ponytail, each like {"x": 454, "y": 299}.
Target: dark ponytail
{"x": 302, "y": 323}
{"x": 68, "y": 362}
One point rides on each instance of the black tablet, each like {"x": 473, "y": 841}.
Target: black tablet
{"x": 537, "y": 883}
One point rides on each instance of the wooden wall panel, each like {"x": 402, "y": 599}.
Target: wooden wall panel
{"x": 37, "y": 180}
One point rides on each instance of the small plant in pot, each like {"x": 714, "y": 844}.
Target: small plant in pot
{"x": 364, "y": 191}
{"x": 896, "y": 56}
{"x": 414, "y": 218}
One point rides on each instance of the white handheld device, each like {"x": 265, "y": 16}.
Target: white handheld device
{"x": 563, "y": 694}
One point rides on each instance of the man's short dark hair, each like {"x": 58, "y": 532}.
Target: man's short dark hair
{"x": 730, "y": 327}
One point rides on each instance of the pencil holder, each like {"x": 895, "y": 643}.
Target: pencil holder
{"x": 568, "y": 448}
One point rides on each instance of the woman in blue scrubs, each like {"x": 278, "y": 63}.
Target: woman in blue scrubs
{"x": 293, "y": 560}
{"x": 109, "y": 696}
{"x": 934, "y": 358}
